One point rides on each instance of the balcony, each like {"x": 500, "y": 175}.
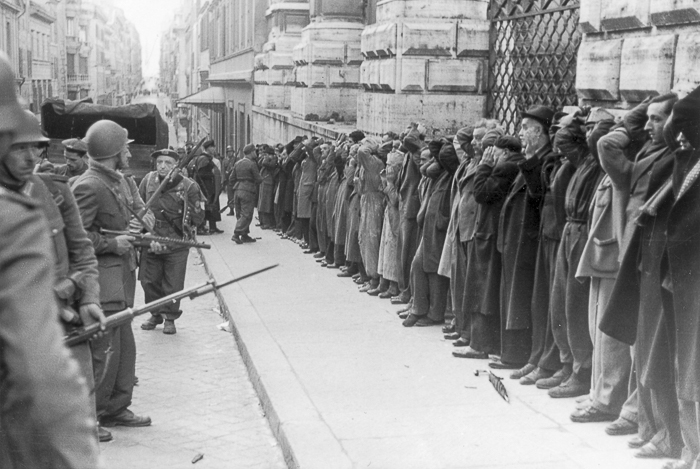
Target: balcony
{"x": 78, "y": 78}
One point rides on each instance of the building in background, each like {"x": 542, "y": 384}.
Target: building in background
{"x": 71, "y": 49}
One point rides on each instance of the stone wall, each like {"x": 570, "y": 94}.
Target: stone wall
{"x": 636, "y": 48}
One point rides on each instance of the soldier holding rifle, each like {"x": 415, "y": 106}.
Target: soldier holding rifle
{"x": 178, "y": 211}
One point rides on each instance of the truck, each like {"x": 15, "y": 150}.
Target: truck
{"x": 63, "y": 119}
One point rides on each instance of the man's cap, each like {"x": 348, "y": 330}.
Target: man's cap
{"x": 105, "y": 139}
{"x": 229, "y": 147}
{"x": 465, "y": 135}
{"x": 208, "y": 143}
{"x": 10, "y": 110}
{"x": 75, "y": 145}
{"x": 248, "y": 149}
{"x": 357, "y": 135}
{"x": 165, "y": 152}
{"x": 491, "y": 136}
{"x": 542, "y": 114}
{"x": 28, "y": 130}
{"x": 509, "y": 143}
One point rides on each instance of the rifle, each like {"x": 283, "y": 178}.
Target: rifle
{"x": 182, "y": 164}
{"x": 158, "y": 239}
{"x": 124, "y": 317}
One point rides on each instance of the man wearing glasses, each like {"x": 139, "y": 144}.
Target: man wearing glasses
{"x": 178, "y": 212}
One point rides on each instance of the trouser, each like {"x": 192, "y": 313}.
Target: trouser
{"x": 229, "y": 197}
{"x": 406, "y": 247}
{"x": 330, "y": 250}
{"x": 545, "y": 353}
{"x": 161, "y": 275}
{"x": 244, "y": 203}
{"x": 114, "y": 367}
{"x": 458, "y": 273}
{"x": 658, "y": 417}
{"x": 429, "y": 290}
{"x": 339, "y": 254}
{"x": 690, "y": 430}
{"x": 267, "y": 219}
{"x": 569, "y": 302}
{"x": 304, "y": 223}
{"x": 83, "y": 355}
{"x": 612, "y": 360}
{"x": 313, "y": 234}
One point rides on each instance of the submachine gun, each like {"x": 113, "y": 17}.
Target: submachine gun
{"x": 124, "y": 317}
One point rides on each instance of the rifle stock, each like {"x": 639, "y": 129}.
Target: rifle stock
{"x": 124, "y": 317}
{"x": 159, "y": 239}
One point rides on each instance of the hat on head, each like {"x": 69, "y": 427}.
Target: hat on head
{"x": 465, "y": 135}
{"x": 686, "y": 117}
{"x": 28, "y": 130}
{"x": 229, "y": 147}
{"x": 357, "y": 135}
{"x": 541, "y": 114}
{"x": 412, "y": 141}
{"x": 165, "y": 152}
{"x": 10, "y": 110}
{"x": 490, "y": 137}
{"x": 75, "y": 145}
{"x": 208, "y": 143}
{"x": 248, "y": 149}
{"x": 509, "y": 143}
{"x": 105, "y": 139}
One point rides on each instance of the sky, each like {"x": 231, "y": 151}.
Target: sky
{"x": 150, "y": 17}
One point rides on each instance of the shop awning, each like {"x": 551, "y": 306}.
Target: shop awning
{"x": 212, "y": 98}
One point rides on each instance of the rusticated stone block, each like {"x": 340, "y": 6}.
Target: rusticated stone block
{"x": 590, "y": 15}
{"x": 385, "y": 44}
{"x": 318, "y": 76}
{"x": 373, "y": 71}
{"x": 327, "y": 54}
{"x": 448, "y": 9}
{"x": 368, "y": 41}
{"x": 598, "y": 69}
{"x": 341, "y": 77}
{"x": 432, "y": 39}
{"x": 353, "y": 56}
{"x": 673, "y": 12}
{"x": 646, "y": 66}
{"x": 472, "y": 38}
{"x": 625, "y": 14}
{"x": 455, "y": 76}
{"x": 387, "y": 74}
{"x": 364, "y": 75}
{"x": 686, "y": 76}
{"x": 412, "y": 74}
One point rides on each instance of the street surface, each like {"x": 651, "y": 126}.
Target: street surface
{"x": 344, "y": 385}
{"x": 196, "y": 389}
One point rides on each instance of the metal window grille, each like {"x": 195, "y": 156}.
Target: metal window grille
{"x": 533, "y": 56}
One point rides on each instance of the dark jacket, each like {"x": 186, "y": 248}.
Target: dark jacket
{"x": 245, "y": 176}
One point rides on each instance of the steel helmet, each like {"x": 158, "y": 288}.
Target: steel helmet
{"x": 10, "y": 110}
{"x": 105, "y": 139}
{"x": 28, "y": 130}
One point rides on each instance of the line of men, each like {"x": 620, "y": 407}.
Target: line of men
{"x": 59, "y": 271}
{"x": 568, "y": 254}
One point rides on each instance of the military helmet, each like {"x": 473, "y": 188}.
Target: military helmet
{"x": 105, "y": 139}
{"x": 10, "y": 110}
{"x": 28, "y": 130}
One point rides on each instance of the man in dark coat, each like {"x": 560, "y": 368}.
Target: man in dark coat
{"x": 266, "y": 197}
{"x": 204, "y": 172}
{"x": 245, "y": 179}
{"x": 635, "y": 313}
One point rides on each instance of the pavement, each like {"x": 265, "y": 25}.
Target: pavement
{"x": 195, "y": 387}
{"x": 344, "y": 385}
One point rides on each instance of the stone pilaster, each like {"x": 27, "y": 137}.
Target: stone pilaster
{"x": 274, "y": 66}
{"x": 635, "y": 48}
{"x": 426, "y": 61}
{"x": 327, "y": 62}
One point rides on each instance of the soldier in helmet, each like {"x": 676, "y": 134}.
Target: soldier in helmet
{"x": 178, "y": 211}
{"x": 106, "y": 201}
{"x": 44, "y": 409}
{"x": 75, "y": 153}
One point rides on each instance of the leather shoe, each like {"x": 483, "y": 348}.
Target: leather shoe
{"x": 125, "y": 418}
{"x": 526, "y": 370}
{"x": 572, "y": 387}
{"x": 461, "y": 342}
{"x": 591, "y": 414}
{"x": 216, "y": 231}
{"x": 385, "y": 294}
{"x": 678, "y": 464}
{"x": 403, "y": 314}
{"x": 426, "y": 322}
{"x": 365, "y": 288}
{"x": 152, "y": 322}
{"x": 621, "y": 426}
{"x": 411, "y": 320}
{"x": 374, "y": 291}
{"x": 469, "y": 352}
{"x": 650, "y": 451}
{"x": 535, "y": 375}
{"x": 332, "y": 266}
{"x": 452, "y": 335}
{"x": 324, "y": 263}
{"x": 311, "y": 251}
{"x": 397, "y": 300}
{"x": 555, "y": 380}
{"x": 500, "y": 365}
{"x": 247, "y": 239}
{"x": 319, "y": 255}
{"x": 345, "y": 274}
{"x": 636, "y": 442}
{"x": 448, "y": 329}
{"x": 169, "y": 327}
{"x": 103, "y": 435}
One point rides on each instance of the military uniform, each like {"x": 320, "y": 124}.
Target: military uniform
{"x": 178, "y": 208}
{"x": 103, "y": 196}
{"x": 245, "y": 179}
{"x": 44, "y": 417}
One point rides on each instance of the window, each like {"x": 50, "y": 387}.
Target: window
{"x": 83, "y": 65}
{"x": 82, "y": 34}
{"x": 8, "y": 40}
{"x": 70, "y": 27}
{"x": 203, "y": 34}
{"x": 70, "y": 59}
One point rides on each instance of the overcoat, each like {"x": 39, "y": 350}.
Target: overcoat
{"x": 307, "y": 183}
{"x": 268, "y": 172}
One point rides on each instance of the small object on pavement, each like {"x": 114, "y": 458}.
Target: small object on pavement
{"x": 224, "y": 326}
{"x": 198, "y": 457}
{"x": 496, "y": 382}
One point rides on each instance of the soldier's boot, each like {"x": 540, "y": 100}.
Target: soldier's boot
{"x": 152, "y": 322}
{"x": 247, "y": 239}
{"x": 169, "y": 327}
{"x": 103, "y": 434}
{"x": 236, "y": 238}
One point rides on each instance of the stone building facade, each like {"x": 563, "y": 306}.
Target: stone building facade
{"x": 329, "y": 66}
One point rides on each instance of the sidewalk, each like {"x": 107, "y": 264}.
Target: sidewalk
{"x": 344, "y": 385}
{"x": 196, "y": 389}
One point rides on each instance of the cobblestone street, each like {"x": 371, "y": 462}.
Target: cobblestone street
{"x": 196, "y": 389}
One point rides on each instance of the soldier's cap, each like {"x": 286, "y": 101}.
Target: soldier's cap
{"x": 248, "y": 149}
{"x": 10, "y": 109}
{"x": 105, "y": 139}
{"x": 29, "y": 130}
{"x": 229, "y": 147}
{"x": 541, "y": 114}
{"x": 165, "y": 152}
{"x": 75, "y": 145}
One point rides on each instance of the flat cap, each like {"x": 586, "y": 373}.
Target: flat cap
{"x": 542, "y": 114}
{"x": 465, "y": 135}
{"x": 75, "y": 145}
{"x": 508, "y": 142}
{"x": 165, "y": 152}
{"x": 248, "y": 149}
